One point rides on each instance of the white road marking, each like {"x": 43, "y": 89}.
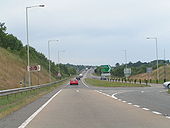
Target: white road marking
{"x": 103, "y": 93}
{"x": 158, "y": 113}
{"x": 77, "y": 90}
{"x": 23, "y": 125}
{"x": 146, "y": 109}
{"x": 84, "y": 83}
{"x": 168, "y": 117}
{"x": 113, "y": 96}
{"x": 136, "y": 106}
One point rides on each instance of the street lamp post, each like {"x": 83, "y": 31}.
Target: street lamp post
{"x": 59, "y": 59}
{"x": 49, "y": 65}
{"x": 27, "y": 34}
{"x": 156, "y": 41}
{"x": 125, "y": 70}
{"x": 126, "y": 58}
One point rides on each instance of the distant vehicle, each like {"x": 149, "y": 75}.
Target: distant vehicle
{"x": 74, "y": 82}
{"x": 80, "y": 75}
{"x": 103, "y": 78}
{"x": 166, "y": 84}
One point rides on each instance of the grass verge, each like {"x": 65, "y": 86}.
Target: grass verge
{"x": 13, "y": 102}
{"x": 168, "y": 91}
{"x": 101, "y": 83}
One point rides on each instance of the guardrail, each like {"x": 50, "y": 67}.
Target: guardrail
{"x": 18, "y": 90}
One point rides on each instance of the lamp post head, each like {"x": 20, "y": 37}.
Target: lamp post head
{"x": 41, "y": 5}
{"x": 152, "y": 38}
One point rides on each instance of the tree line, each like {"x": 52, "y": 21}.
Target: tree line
{"x": 136, "y": 68}
{"x": 14, "y": 45}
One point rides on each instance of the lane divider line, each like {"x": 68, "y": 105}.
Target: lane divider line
{"x": 23, "y": 125}
{"x": 146, "y": 109}
{"x": 137, "y": 106}
{"x": 158, "y": 113}
{"x": 168, "y": 117}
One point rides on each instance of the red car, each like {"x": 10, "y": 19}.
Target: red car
{"x": 74, "y": 82}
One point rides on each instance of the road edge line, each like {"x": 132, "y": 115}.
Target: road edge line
{"x": 84, "y": 83}
{"x": 26, "y": 122}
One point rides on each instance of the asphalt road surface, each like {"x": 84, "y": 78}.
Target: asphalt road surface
{"x": 84, "y": 106}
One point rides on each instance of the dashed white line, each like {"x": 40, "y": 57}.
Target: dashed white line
{"x": 146, "y": 109}
{"x": 77, "y": 90}
{"x": 23, "y": 125}
{"x": 168, "y": 117}
{"x": 158, "y": 113}
{"x": 137, "y": 106}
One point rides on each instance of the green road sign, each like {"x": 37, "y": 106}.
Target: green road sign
{"x": 105, "y": 68}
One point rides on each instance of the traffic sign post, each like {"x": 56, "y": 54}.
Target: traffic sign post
{"x": 127, "y": 72}
{"x": 149, "y": 71}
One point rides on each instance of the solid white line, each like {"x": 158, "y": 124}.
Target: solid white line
{"x": 158, "y": 113}
{"x": 23, "y": 125}
{"x": 145, "y": 109}
{"x": 84, "y": 83}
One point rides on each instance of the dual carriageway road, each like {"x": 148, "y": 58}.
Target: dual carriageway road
{"x": 84, "y": 106}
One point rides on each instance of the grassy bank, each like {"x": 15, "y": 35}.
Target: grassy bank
{"x": 101, "y": 83}
{"x": 11, "y": 103}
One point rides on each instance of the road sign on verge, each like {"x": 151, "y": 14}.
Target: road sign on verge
{"x": 149, "y": 70}
{"x": 105, "y": 68}
{"x": 127, "y": 72}
{"x": 34, "y": 68}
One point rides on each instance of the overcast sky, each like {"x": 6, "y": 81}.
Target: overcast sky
{"x": 92, "y": 32}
